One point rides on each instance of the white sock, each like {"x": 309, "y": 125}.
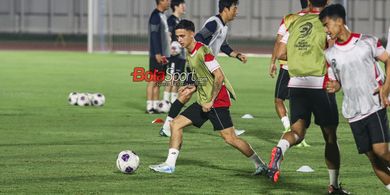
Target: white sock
{"x": 167, "y": 95}
{"x": 167, "y": 126}
{"x": 172, "y": 157}
{"x": 256, "y": 160}
{"x": 285, "y": 122}
{"x": 388, "y": 187}
{"x": 173, "y": 97}
{"x": 334, "y": 177}
{"x": 155, "y": 104}
{"x": 284, "y": 145}
{"x": 149, "y": 104}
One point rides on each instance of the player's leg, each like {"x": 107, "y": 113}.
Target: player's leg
{"x": 192, "y": 115}
{"x": 221, "y": 120}
{"x": 300, "y": 118}
{"x": 150, "y": 88}
{"x": 379, "y": 134}
{"x": 380, "y": 168}
{"x": 185, "y": 94}
{"x": 281, "y": 94}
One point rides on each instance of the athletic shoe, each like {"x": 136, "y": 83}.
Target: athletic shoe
{"x": 162, "y": 168}
{"x": 340, "y": 190}
{"x": 273, "y": 166}
{"x": 239, "y": 132}
{"x": 163, "y": 133}
{"x": 260, "y": 170}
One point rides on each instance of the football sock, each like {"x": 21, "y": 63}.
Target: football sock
{"x": 334, "y": 177}
{"x": 285, "y": 122}
{"x": 284, "y": 145}
{"x": 175, "y": 109}
{"x": 256, "y": 160}
{"x": 172, "y": 157}
{"x": 149, "y": 104}
{"x": 167, "y": 123}
{"x": 167, "y": 95}
{"x": 173, "y": 97}
{"x": 388, "y": 187}
{"x": 155, "y": 104}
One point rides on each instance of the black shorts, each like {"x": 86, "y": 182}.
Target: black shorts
{"x": 154, "y": 65}
{"x": 281, "y": 88}
{"x": 178, "y": 62}
{"x": 371, "y": 130}
{"x": 304, "y": 102}
{"x": 219, "y": 117}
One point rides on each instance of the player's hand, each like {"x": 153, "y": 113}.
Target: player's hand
{"x": 242, "y": 57}
{"x": 383, "y": 95}
{"x": 186, "y": 90}
{"x": 332, "y": 86}
{"x": 272, "y": 70}
{"x": 206, "y": 107}
{"x": 161, "y": 59}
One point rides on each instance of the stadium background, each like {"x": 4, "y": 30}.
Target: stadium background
{"x": 124, "y": 22}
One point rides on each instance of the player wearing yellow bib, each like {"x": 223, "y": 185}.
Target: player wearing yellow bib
{"x": 213, "y": 102}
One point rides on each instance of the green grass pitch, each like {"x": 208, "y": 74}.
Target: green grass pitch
{"x": 50, "y": 147}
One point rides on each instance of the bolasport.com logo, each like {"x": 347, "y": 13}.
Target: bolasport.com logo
{"x": 169, "y": 77}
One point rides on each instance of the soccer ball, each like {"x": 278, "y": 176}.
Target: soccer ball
{"x": 127, "y": 161}
{"x": 97, "y": 99}
{"x": 72, "y": 98}
{"x": 164, "y": 106}
{"x": 83, "y": 100}
{"x": 175, "y": 48}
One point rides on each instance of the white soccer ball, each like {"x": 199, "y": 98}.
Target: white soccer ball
{"x": 98, "y": 99}
{"x": 164, "y": 106}
{"x": 83, "y": 100}
{"x": 72, "y": 98}
{"x": 127, "y": 161}
{"x": 175, "y": 48}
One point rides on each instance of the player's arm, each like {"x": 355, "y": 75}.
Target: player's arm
{"x": 281, "y": 53}
{"x": 225, "y": 48}
{"x": 205, "y": 34}
{"x": 214, "y": 67}
{"x": 333, "y": 84}
{"x": 272, "y": 66}
{"x": 385, "y": 90}
{"x": 155, "y": 37}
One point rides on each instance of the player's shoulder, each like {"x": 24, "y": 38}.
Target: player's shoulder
{"x": 155, "y": 16}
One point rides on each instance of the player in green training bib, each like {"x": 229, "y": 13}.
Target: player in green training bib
{"x": 213, "y": 101}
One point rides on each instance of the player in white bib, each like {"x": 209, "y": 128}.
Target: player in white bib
{"x": 354, "y": 68}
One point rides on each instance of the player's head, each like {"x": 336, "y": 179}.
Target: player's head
{"x": 185, "y": 32}
{"x": 163, "y": 4}
{"x": 318, "y": 3}
{"x": 333, "y": 19}
{"x": 304, "y": 4}
{"x": 179, "y": 6}
{"x": 229, "y": 8}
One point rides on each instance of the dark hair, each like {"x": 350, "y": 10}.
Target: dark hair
{"x": 304, "y": 4}
{"x": 333, "y": 11}
{"x": 226, "y": 3}
{"x": 175, "y": 3}
{"x": 158, "y": 1}
{"x": 186, "y": 25}
{"x": 318, "y": 3}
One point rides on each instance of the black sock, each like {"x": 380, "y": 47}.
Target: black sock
{"x": 175, "y": 109}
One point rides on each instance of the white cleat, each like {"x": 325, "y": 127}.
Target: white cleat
{"x": 239, "y": 132}
{"x": 162, "y": 168}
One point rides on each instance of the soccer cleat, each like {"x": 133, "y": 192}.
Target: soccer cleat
{"x": 273, "y": 166}
{"x": 239, "y": 132}
{"x": 163, "y": 133}
{"x": 340, "y": 190}
{"x": 162, "y": 168}
{"x": 260, "y": 170}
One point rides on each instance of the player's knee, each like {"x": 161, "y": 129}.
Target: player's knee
{"x": 174, "y": 125}
{"x": 279, "y": 101}
{"x": 383, "y": 154}
{"x": 229, "y": 139}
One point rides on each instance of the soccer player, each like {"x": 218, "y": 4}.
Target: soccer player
{"x": 177, "y": 60}
{"x": 159, "y": 50}
{"x": 304, "y": 46}
{"x": 353, "y": 64}
{"x": 281, "y": 88}
{"x": 212, "y": 34}
{"x": 213, "y": 102}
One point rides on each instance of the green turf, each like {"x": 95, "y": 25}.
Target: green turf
{"x": 49, "y": 147}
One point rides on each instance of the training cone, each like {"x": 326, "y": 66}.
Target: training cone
{"x": 247, "y": 116}
{"x": 305, "y": 169}
{"x": 158, "y": 121}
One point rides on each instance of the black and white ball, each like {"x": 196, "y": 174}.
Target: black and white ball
{"x": 72, "y": 98}
{"x": 164, "y": 106}
{"x": 127, "y": 161}
{"x": 175, "y": 48}
{"x": 83, "y": 100}
{"x": 98, "y": 99}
